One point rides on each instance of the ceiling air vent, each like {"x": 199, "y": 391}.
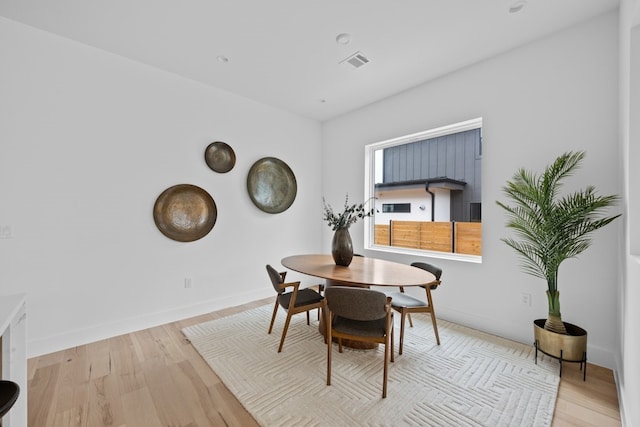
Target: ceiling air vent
{"x": 356, "y": 60}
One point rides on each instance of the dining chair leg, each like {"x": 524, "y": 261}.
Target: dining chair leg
{"x": 408, "y": 314}
{"x": 320, "y": 289}
{"x": 435, "y": 327}
{"x": 386, "y": 368}
{"x": 392, "y": 339}
{"x": 323, "y": 324}
{"x": 284, "y": 331}
{"x": 403, "y": 315}
{"x": 329, "y": 348}
{"x": 273, "y": 318}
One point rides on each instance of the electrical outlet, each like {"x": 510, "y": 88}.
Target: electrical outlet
{"x": 187, "y": 283}
{"x": 525, "y": 299}
{"x": 6, "y": 232}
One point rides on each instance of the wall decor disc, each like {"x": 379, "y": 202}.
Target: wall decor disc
{"x": 185, "y": 213}
{"x": 220, "y": 157}
{"x": 271, "y": 185}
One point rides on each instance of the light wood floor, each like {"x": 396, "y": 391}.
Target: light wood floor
{"x": 154, "y": 377}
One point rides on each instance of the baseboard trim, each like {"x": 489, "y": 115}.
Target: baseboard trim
{"x": 94, "y": 333}
{"x": 596, "y": 355}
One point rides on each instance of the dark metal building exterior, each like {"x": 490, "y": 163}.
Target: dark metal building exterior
{"x": 451, "y": 162}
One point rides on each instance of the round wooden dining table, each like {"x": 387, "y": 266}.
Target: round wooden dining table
{"x": 363, "y": 271}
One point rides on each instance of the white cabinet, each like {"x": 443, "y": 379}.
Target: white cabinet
{"x": 13, "y": 327}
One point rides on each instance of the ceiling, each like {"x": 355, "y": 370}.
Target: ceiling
{"x": 284, "y": 53}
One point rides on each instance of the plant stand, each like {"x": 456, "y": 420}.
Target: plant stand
{"x": 565, "y": 348}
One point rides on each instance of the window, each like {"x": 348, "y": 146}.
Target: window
{"x": 396, "y": 207}
{"x": 439, "y": 173}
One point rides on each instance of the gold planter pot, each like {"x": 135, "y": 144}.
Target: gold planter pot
{"x": 566, "y": 348}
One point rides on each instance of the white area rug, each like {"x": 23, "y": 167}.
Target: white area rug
{"x": 472, "y": 379}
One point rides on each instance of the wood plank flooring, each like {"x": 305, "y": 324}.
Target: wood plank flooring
{"x": 155, "y": 377}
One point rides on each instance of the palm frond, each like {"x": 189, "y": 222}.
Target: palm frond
{"x": 550, "y": 229}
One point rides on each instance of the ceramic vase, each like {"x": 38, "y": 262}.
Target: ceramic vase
{"x": 342, "y": 247}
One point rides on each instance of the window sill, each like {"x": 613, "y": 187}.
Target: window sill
{"x": 428, "y": 254}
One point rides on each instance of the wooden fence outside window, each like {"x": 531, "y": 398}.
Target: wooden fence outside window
{"x": 455, "y": 237}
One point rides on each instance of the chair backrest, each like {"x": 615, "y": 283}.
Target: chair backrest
{"x": 276, "y": 278}
{"x": 356, "y": 303}
{"x": 436, "y": 271}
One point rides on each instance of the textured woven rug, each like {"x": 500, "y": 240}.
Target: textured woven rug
{"x": 472, "y": 379}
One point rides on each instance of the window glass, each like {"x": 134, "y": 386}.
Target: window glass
{"x": 396, "y": 207}
{"x": 428, "y": 192}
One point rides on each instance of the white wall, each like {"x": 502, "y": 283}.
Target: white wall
{"x": 88, "y": 140}
{"x": 538, "y": 101}
{"x": 628, "y": 370}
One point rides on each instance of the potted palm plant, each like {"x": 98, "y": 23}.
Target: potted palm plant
{"x": 551, "y": 228}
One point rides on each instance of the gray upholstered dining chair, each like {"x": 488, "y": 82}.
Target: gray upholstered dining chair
{"x": 296, "y": 301}
{"x": 359, "y": 314}
{"x": 407, "y": 304}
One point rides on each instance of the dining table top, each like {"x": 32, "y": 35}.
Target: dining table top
{"x": 364, "y": 271}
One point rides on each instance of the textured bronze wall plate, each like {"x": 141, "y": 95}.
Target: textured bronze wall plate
{"x": 271, "y": 185}
{"x": 220, "y": 157}
{"x": 185, "y": 213}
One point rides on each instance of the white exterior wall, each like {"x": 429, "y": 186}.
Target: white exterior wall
{"x": 418, "y": 198}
